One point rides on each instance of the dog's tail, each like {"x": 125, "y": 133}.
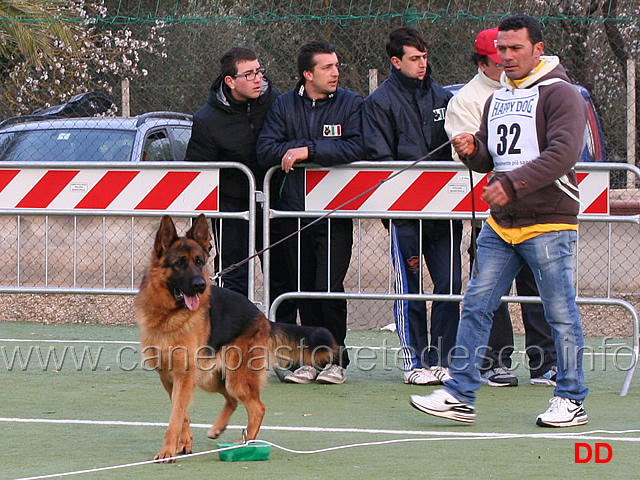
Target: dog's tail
{"x": 295, "y": 345}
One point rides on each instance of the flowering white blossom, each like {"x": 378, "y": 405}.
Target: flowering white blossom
{"x": 101, "y": 58}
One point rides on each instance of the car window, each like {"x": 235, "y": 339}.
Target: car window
{"x": 157, "y": 148}
{"x": 182, "y": 136}
{"x": 70, "y": 145}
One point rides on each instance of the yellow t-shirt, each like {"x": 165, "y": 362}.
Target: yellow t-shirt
{"x": 516, "y": 235}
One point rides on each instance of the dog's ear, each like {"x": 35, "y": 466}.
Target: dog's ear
{"x": 165, "y": 236}
{"x": 199, "y": 232}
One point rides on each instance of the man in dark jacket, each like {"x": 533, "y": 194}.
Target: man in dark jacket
{"x": 404, "y": 120}
{"x": 316, "y": 122}
{"x": 226, "y": 129}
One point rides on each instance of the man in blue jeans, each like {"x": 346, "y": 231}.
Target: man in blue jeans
{"x": 531, "y": 136}
{"x": 464, "y": 114}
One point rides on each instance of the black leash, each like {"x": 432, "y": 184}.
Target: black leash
{"x": 474, "y": 245}
{"x": 232, "y": 267}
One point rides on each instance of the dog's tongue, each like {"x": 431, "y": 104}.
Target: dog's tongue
{"x": 192, "y": 303}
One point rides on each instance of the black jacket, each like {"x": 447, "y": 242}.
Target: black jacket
{"x": 404, "y": 119}
{"x": 225, "y": 130}
{"x": 331, "y": 128}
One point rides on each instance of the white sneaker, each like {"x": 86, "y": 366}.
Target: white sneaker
{"x": 442, "y": 373}
{"x": 563, "y": 412}
{"x": 421, "y": 376}
{"x": 304, "y": 374}
{"x": 442, "y": 404}
{"x": 332, "y": 374}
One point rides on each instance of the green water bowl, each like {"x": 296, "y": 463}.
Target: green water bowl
{"x": 246, "y": 453}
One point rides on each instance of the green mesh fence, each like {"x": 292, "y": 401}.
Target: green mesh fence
{"x": 170, "y": 49}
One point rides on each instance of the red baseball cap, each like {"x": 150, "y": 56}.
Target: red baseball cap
{"x": 487, "y": 44}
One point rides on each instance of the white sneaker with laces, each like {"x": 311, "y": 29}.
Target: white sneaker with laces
{"x": 332, "y": 374}
{"x": 421, "y": 376}
{"x": 304, "y": 374}
{"x": 442, "y": 373}
{"x": 442, "y": 404}
{"x": 563, "y": 412}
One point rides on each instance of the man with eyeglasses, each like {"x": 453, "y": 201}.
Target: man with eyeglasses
{"x": 225, "y": 129}
{"x": 315, "y": 122}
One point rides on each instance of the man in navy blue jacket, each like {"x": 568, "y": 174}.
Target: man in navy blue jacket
{"x": 316, "y": 122}
{"x": 404, "y": 120}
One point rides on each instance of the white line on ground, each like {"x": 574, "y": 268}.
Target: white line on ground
{"x": 334, "y": 429}
{"x": 35, "y": 340}
{"x": 433, "y": 436}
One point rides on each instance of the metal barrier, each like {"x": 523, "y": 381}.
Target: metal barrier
{"x": 440, "y": 191}
{"x": 53, "y": 214}
{"x": 84, "y": 200}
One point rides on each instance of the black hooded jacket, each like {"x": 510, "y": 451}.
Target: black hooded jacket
{"x": 225, "y": 130}
{"x": 404, "y": 119}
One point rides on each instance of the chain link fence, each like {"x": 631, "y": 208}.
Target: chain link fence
{"x": 113, "y": 253}
{"x": 594, "y": 49}
{"x": 45, "y": 253}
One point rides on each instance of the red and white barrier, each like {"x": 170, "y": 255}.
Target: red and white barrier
{"x": 193, "y": 190}
{"x": 423, "y": 191}
{"x": 109, "y": 189}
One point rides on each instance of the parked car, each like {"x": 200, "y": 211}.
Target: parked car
{"x": 61, "y": 133}
{"x": 594, "y": 149}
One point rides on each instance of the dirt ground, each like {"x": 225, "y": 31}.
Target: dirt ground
{"x": 598, "y": 321}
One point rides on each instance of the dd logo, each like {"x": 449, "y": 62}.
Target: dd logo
{"x": 584, "y": 452}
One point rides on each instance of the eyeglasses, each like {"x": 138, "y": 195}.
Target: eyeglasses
{"x": 251, "y": 76}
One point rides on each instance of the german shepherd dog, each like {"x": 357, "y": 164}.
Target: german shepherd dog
{"x": 194, "y": 333}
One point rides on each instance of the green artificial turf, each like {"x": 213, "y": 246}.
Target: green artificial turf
{"x": 115, "y": 415}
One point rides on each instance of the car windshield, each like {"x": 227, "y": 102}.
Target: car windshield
{"x": 66, "y": 144}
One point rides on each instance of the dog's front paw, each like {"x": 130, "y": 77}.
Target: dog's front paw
{"x": 184, "y": 448}
{"x": 214, "y": 432}
{"x": 165, "y": 455}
